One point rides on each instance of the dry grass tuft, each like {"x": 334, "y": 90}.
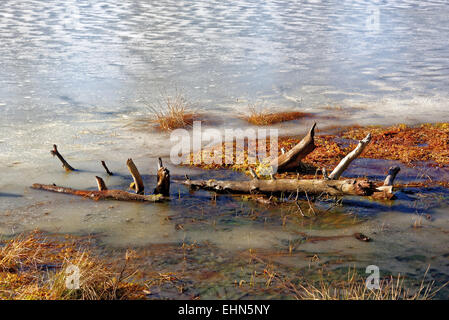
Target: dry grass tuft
{"x": 264, "y": 118}
{"x": 354, "y": 288}
{"x": 32, "y": 267}
{"x": 173, "y": 112}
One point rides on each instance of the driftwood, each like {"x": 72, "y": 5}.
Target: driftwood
{"x": 162, "y": 189}
{"x": 291, "y": 160}
{"x": 359, "y": 187}
{"x": 65, "y": 164}
{"x": 100, "y": 195}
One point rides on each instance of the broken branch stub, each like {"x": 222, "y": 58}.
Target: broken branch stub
{"x": 291, "y": 160}
{"x": 386, "y": 190}
{"x": 106, "y": 168}
{"x": 346, "y": 161}
{"x": 100, "y": 183}
{"x": 392, "y": 173}
{"x": 163, "y": 180}
{"x": 65, "y": 164}
{"x": 137, "y": 185}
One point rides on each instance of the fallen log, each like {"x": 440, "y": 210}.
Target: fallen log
{"x": 291, "y": 160}
{"x": 359, "y": 187}
{"x": 104, "y": 193}
{"x": 100, "y": 195}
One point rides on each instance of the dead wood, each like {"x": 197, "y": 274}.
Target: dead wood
{"x": 137, "y": 185}
{"x": 100, "y": 183}
{"x": 104, "y": 193}
{"x": 360, "y": 187}
{"x": 65, "y": 164}
{"x": 392, "y": 173}
{"x": 106, "y": 168}
{"x": 346, "y": 161}
{"x": 291, "y": 160}
{"x": 163, "y": 180}
{"x": 329, "y": 185}
{"x": 100, "y": 195}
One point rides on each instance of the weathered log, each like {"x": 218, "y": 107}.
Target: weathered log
{"x": 106, "y": 168}
{"x": 346, "y": 161}
{"x": 137, "y": 185}
{"x": 163, "y": 180}
{"x": 291, "y": 160}
{"x": 65, "y": 164}
{"x": 100, "y": 195}
{"x": 360, "y": 187}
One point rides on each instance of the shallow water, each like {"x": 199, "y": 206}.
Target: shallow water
{"x": 82, "y": 73}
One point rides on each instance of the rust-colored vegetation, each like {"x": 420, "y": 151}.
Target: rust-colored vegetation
{"x": 173, "y": 112}
{"x": 409, "y": 145}
{"x": 35, "y": 267}
{"x": 260, "y": 117}
{"x": 426, "y": 142}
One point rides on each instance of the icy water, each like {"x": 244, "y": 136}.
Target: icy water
{"x": 82, "y": 73}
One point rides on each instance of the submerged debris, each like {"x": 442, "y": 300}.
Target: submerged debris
{"x": 362, "y": 237}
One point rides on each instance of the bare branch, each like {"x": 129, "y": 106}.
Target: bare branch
{"x": 346, "y": 161}
{"x": 106, "y": 168}
{"x": 65, "y": 164}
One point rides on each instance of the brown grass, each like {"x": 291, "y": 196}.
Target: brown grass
{"x": 427, "y": 142}
{"x": 338, "y": 286}
{"x": 354, "y": 288}
{"x": 174, "y": 112}
{"x": 264, "y": 118}
{"x": 33, "y": 267}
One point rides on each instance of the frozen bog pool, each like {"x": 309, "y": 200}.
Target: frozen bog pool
{"x": 81, "y": 74}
